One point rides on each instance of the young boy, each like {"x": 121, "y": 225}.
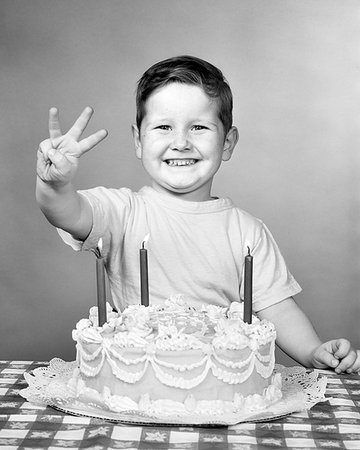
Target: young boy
{"x": 197, "y": 242}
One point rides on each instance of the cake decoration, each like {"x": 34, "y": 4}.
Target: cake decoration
{"x": 176, "y": 358}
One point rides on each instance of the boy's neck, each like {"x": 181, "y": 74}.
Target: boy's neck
{"x": 198, "y": 196}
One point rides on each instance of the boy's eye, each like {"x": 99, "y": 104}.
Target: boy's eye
{"x": 198, "y": 127}
{"x": 163, "y": 127}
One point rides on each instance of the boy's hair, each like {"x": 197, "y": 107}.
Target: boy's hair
{"x": 186, "y": 70}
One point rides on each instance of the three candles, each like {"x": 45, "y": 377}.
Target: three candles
{"x": 144, "y": 282}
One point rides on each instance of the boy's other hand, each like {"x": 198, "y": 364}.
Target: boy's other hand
{"x": 58, "y": 156}
{"x": 337, "y": 354}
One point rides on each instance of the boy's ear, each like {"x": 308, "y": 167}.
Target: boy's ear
{"x": 137, "y": 142}
{"x": 230, "y": 142}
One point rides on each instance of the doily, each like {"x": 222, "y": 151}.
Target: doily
{"x": 301, "y": 388}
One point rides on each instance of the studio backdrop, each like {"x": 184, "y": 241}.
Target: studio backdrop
{"x": 294, "y": 70}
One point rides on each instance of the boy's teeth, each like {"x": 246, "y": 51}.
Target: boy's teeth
{"x": 181, "y": 162}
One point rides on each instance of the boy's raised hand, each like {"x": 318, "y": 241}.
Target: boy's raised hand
{"x": 58, "y": 156}
{"x": 337, "y": 354}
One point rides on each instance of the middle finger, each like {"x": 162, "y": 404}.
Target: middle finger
{"x": 81, "y": 123}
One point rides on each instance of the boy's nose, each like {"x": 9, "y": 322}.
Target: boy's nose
{"x": 180, "y": 142}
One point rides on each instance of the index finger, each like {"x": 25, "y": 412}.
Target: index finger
{"x": 54, "y": 124}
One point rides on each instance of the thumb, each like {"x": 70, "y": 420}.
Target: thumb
{"x": 56, "y": 157}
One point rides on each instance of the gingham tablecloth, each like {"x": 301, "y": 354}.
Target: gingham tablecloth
{"x": 334, "y": 424}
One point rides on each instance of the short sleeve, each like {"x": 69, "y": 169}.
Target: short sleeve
{"x": 272, "y": 280}
{"x": 110, "y": 209}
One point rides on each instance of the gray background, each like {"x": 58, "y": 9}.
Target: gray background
{"x": 294, "y": 70}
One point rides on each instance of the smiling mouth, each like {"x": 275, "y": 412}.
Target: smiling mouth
{"x": 180, "y": 162}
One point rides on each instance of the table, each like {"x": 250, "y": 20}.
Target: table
{"x": 334, "y": 424}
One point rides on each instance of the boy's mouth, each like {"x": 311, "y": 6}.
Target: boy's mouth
{"x": 180, "y": 162}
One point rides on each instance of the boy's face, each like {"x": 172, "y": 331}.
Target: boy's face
{"x": 181, "y": 141}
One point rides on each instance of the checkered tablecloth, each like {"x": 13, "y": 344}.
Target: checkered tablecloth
{"x": 334, "y": 424}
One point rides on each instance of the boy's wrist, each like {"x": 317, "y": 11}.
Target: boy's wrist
{"x": 55, "y": 185}
{"x": 313, "y": 360}
{"x": 49, "y": 193}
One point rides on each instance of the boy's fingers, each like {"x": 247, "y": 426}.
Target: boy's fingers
{"x": 44, "y": 148}
{"x": 56, "y": 158}
{"x": 326, "y": 359}
{"x": 346, "y": 362}
{"x": 343, "y": 348}
{"x": 81, "y": 123}
{"x": 54, "y": 124}
{"x": 356, "y": 366}
{"x": 90, "y": 142}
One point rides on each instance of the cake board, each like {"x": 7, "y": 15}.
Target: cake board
{"x": 302, "y": 388}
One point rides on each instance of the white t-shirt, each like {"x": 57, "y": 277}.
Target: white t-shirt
{"x": 195, "y": 248}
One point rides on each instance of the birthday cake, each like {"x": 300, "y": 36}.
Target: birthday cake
{"x": 177, "y": 360}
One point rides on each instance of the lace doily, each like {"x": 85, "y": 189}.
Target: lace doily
{"x": 302, "y": 388}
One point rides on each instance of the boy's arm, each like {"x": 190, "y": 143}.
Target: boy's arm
{"x": 65, "y": 208}
{"x": 57, "y": 163}
{"x": 297, "y": 337}
{"x": 295, "y": 334}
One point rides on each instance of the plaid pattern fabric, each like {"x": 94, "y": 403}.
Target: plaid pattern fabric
{"x": 334, "y": 424}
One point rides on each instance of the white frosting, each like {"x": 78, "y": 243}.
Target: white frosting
{"x": 182, "y": 347}
{"x": 164, "y": 407}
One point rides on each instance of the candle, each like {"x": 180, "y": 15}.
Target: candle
{"x": 100, "y": 285}
{"x": 248, "y": 287}
{"x": 144, "y": 273}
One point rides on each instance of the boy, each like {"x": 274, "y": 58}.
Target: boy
{"x": 198, "y": 242}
